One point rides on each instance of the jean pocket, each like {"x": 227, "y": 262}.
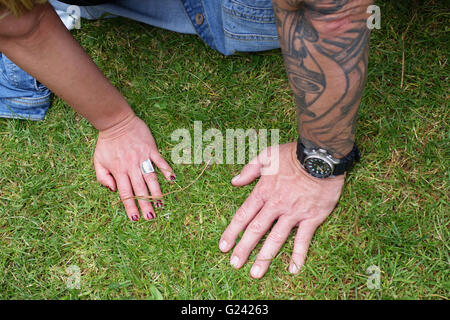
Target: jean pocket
{"x": 249, "y": 20}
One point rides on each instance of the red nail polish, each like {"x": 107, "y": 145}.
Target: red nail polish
{"x": 159, "y": 204}
{"x": 135, "y": 218}
{"x": 110, "y": 189}
{"x": 172, "y": 178}
{"x": 150, "y": 216}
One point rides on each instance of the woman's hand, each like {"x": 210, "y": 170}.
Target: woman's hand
{"x": 118, "y": 158}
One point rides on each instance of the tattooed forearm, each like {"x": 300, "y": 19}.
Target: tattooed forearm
{"x": 325, "y": 49}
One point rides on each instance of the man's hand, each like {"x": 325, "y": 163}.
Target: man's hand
{"x": 118, "y": 157}
{"x": 291, "y": 197}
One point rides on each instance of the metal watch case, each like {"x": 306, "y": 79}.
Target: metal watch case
{"x": 319, "y": 163}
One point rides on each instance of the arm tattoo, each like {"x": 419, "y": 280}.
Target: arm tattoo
{"x": 326, "y": 67}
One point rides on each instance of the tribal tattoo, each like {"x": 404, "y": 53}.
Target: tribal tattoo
{"x": 325, "y": 49}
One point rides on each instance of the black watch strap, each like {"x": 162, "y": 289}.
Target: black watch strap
{"x": 345, "y": 164}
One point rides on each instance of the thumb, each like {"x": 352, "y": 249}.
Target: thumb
{"x": 248, "y": 174}
{"x": 104, "y": 177}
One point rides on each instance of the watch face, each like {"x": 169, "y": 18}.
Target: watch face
{"x": 318, "y": 168}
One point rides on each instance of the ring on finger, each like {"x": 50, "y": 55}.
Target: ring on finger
{"x": 147, "y": 167}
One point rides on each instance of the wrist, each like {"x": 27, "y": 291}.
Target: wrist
{"x": 118, "y": 127}
{"x": 320, "y": 163}
{"x": 297, "y": 164}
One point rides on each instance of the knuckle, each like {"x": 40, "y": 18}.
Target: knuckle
{"x": 302, "y": 241}
{"x": 262, "y": 189}
{"x": 151, "y": 177}
{"x": 276, "y": 237}
{"x": 265, "y": 257}
{"x": 241, "y": 215}
{"x": 240, "y": 250}
{"x": 256, "y": 227}
{"x": 126, "y": 197}
{"x": 298, "y": 257}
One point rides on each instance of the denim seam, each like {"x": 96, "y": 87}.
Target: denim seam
{"x": 207, "y": 21}
{"x": 42, "y": 102}
{"x": 15, "y": 115}
{"x": 250, "y": 37}
{"x": 250, "y": 7}
{"x": 33, "y": 98}
{"x": 259, "y": 19}
{"x": 11, "y": 74}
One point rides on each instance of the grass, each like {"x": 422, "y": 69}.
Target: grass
{"x": 393, "y": 212}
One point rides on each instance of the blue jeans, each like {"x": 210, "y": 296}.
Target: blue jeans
{"x": 227, "y": 26}
{"x": 21, "y": 96}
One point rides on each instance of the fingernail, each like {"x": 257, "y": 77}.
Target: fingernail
{"x": 135, "y": 218}
{"x": 172, "y": 178}
{"x": 234, "y": 261}
{"x": 256, "y": 271}
{"x": 235, "y": 179}
{"x": 223, "y": 245}
{"x": 150, "y": 216}
{"x": 293, "y": 268}
{"x": 159, "y": 204}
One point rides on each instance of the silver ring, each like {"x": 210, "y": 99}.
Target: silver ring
{"x": 147, "y": 167}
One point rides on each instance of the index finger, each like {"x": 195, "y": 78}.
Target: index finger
{"x": 251, "y": 206}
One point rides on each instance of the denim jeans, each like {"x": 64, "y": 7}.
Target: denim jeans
{"x": 21, "y": 96}
{"x": 227, "y": 26}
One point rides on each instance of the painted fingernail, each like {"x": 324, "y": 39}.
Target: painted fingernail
{"x": 293, "y": 268}
{"x": 172, "y": 178}
{"x": 234, "y": 261}
{"x": 150, "y": 215}
{"x": 223, "y": 245}
{"x": 235, "y": 179}
{"x": 135, "y": 218}
{"x": 159, "y": 204}
{"x": 256, "y": 271}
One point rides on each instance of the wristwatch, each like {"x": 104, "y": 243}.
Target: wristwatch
{"x": 321, "y": 164}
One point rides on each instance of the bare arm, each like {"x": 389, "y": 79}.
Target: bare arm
{"x": 40, "y": 44}
{"x": 325, "y": 49}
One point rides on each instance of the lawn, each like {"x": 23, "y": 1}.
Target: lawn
{"x": 393, "y": 212}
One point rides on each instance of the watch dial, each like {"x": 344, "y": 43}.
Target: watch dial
{"x": 318, "y": 167}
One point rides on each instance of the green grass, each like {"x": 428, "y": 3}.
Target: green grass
{"x": 393, "y": 212}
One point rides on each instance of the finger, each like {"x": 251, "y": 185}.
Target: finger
{"x": 248, "y": 174}
{"x": 163, "y": 166}
{"x": 302, "y": 240}
{"x": 126, "y": 194}
{"x": 152, "y": 182}
{"x": 275, "y": 240}
{"x": 252, "y": 235}
{"x": 104, "y": 176}
{"x": 140, "y": 190}
{"x": 241, "y": 219}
